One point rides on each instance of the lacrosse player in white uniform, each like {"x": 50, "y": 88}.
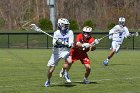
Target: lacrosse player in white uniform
{"x": 116, "y": 35}
{"x": 63, "y": 40}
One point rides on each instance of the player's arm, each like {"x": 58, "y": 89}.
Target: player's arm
{"x": 92, "y": 48}
{"x": 111, "y": 32}
{"x": 71, "y": 39}
{"x": 84, "y": 45}
{"x": 56, "y": 41}
{"x": 114, "y": 30}
{"x": 127, "y": 34}
{"x": 92, "y": 44}
{"x": 81, "y": 45}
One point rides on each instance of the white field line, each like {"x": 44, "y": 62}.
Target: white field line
{"x": 82, "y": 81}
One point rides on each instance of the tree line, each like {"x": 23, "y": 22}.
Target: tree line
{"x": 14, "y": 13}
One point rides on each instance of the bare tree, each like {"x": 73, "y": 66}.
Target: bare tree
{"x": 101, "y": 12}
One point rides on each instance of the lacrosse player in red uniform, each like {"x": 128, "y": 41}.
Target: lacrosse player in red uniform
{"x": 83, "y": 44}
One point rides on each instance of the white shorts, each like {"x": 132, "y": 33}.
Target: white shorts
{"x": 56, "y": 57}
{"x": 115, "y": 45}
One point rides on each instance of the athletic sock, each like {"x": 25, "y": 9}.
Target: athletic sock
{"x": 108, "y": 57}
{"x": 85, "y": 78}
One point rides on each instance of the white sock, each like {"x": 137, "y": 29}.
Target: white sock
{"x": 65, "y": 73}
{"x": 85, "y": 78}
{"x": 48, "y": 80}
{"x": 107, "y": 59}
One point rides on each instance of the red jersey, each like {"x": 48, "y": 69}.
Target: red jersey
{"x": 78, "y": 53}
{"x": 80, "y": 38}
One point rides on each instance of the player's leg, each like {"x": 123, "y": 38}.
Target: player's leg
{"x": 86, "y": 62}
{"x": 112, "y": 52}
{"x": 49, "y": 75}
{"x": 64, "y": 72}
{"x": 118, "y": 48}
{"x": 66, "y": 66}
{"x": 51, "y": 63}
{"x": 68, "y": 63}
{"x": 87, "y": 73}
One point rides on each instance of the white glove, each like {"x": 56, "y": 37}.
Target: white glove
{"x": 86, "y": 45}
{"x": 96, "y": 41}
{"x": 110, "y": 36}
{"x": 59, "y": 41}
{"x": 67, "y": 44}
{"x": 129, "y": 36}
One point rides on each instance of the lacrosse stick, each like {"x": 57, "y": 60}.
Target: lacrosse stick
{"x": 37, "y": 29}
{"x": 134, "y": 34}
{"x": 93, "y": 43}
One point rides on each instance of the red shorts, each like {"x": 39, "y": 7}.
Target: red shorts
{"x": 79, "y": 55}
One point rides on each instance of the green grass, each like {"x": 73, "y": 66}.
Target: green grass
{"x": 25, "y": 71}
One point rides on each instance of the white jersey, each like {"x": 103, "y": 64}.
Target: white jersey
{"x": 118, "y": 32}
{"x": 68, "y": 38}
{"x": 59, "y": 50}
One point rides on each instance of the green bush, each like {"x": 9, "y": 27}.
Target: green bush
{"x": 2, "y": 22}
{"x": 45, "y": 24}
{"x": 110, "y": 25}
{"x": 73, "y": 25}
{"x": 88, "y": 23}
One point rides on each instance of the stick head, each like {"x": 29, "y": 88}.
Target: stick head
{"x": 34, "y": 27}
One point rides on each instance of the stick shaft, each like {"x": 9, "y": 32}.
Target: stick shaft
{"x": 46, "y": 33}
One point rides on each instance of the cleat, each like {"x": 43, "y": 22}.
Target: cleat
{"x": 85, "y": 81}
{"x": 47, "y": 83}
{"x": 105, "y": 62}
{"x": 67, "y": 78}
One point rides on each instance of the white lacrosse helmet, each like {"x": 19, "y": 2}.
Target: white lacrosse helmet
{"x": 122, "y": 21}
{"x": 62, "y": 21}
{"x": 86, "y": 31}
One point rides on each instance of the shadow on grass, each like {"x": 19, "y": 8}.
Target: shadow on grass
{"x": 70, "y": 84}
{"x": 81, "y": 82}
{"x": 62, "y": 85}
{"x": 66, "y": 85}
{"x": 118, "y": 64}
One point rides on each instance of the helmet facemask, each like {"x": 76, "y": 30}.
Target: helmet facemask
{"x": 87, "y": 32}
{"x": 63, "y": 25}
{"x": 64, "y": 28}
{"x": 122, "y": 21}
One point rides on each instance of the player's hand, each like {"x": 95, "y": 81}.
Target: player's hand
{"x": 129, "y": 36}
{"x": 59, "y": 41}
{"x": 86, "y": 45}
{"x": 65, "y": 44}
{"x": 96, "y": 41}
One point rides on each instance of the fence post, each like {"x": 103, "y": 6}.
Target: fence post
{"x": 133, "y": 43}
{"x": 47, "y": 42}
{"x": 27, "y": 41}
{"x": 8, "y": 41}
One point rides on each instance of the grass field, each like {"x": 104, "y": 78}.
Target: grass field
{"x": 25, "y": 70}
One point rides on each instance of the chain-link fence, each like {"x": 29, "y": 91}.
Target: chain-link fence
{"x": 40, "y": 40}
